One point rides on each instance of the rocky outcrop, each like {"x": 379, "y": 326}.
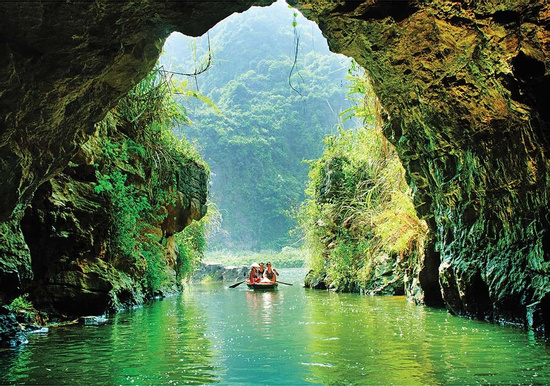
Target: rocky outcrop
{"x": 68, "y": 228}
{"x": 464, "y": 85}
{"x": 62, "y": 67}
{"x": 316, "y": 280}
{"x": 218, "y": 273}
{"x": 362, "y": 229}
{"x": 15, "y": 260}
{"x": 463, "y": 89}
{"x": 11, "y": 332}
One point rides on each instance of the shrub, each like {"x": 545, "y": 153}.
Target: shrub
{"x": 137, "y": 176}
{"x": 359, "y": 221}
{"x": 21, "y": 303}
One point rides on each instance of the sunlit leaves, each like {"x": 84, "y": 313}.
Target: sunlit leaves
{"x": 137, "y": 173}
{"x": 359, "y": 222}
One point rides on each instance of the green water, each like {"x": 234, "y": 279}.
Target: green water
{"x": 292, "y": 336}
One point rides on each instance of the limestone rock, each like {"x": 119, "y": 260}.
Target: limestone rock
{"x": 316, "y": 281}
{"x": 15, "y": 261}
{"x": 93, "y": 320}
{"x": 462, "y": 86}
{"x": 11, "y": 333}
{"x": 67, "y": 228}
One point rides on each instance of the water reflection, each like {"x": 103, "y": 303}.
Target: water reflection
{"x": 386, "y": 340}
{"x": 160, "y": 343}
{"x": 260, "y": 310}
{"x": 292, "y": 336}
{"x": 358, "y": 341}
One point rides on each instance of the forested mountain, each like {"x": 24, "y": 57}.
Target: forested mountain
{"x": 278, "y": 90}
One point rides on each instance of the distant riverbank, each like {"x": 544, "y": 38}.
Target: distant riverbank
{"x": 288, "y": 257}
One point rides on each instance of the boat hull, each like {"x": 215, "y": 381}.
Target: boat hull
{"x": 263, "y": 286}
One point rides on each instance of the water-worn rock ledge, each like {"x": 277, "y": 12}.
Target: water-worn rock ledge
{"x": 15, "y": 326}
{"x": 11, "y": 332}
{"x": 464, "y": 86}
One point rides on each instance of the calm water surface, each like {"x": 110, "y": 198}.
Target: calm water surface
{"x": 292, "y": 336}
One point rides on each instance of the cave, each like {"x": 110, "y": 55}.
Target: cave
{"x": 463, "y": 86}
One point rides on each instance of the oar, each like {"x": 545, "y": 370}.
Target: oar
{"x": 236, "y": 284}
{"x": 282, "y": 282}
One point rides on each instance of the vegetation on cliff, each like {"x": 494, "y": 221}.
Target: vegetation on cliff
{"x": 263, "y": 129}
{"x": 360, "y": 225}
{"x": 20, "y": 303}
{"x": 139, "y": 176}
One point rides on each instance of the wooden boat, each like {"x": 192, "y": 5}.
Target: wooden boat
{"x": 262, "y": 286}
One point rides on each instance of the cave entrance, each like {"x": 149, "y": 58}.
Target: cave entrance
{"x": 278, "y": 92}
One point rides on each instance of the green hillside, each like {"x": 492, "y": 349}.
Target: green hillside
{"x": 278, "y": 90}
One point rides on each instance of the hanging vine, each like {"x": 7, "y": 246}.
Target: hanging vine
{"x": 296, "y": 51}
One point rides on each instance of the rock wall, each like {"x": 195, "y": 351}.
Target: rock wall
{"x": 68, "y": 228}
{"x": 463, "y": 86}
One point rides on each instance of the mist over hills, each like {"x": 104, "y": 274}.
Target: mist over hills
{"x": 279, "y": 90}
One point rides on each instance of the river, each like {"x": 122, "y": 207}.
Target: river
{"x": 293, "y": 336}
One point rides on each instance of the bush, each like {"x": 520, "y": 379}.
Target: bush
{"x": 137, "y": 176}
{"x": 359, "y": 221}
{"x": 21, "y": 303}
{"x": 191, "y": 245}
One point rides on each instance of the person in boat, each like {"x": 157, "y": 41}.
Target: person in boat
{"x": 271, "y": 273}
{"x": 261, "y": 270}
{"x": 254, "y": 276}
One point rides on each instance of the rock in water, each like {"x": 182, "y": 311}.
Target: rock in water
{"x": 11, "y": 332}
{"x": 218, "y": 273}
{"x": 92, "y": 320}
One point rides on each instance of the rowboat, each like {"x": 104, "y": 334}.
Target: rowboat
{"x": 262, "y": 286}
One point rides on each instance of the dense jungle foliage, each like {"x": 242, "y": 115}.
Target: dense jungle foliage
{"x": 138, "y": 173}
{"x": 273, "y": 110}
{"x": 359, "y": 222}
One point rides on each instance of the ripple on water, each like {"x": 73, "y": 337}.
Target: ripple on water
{"x": 293, "y": 336}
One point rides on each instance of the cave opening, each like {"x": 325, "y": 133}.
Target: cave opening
{"x": 69, "y": 203}
{"x": 494, "y": 83}
{"x": 278, "y": 91}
